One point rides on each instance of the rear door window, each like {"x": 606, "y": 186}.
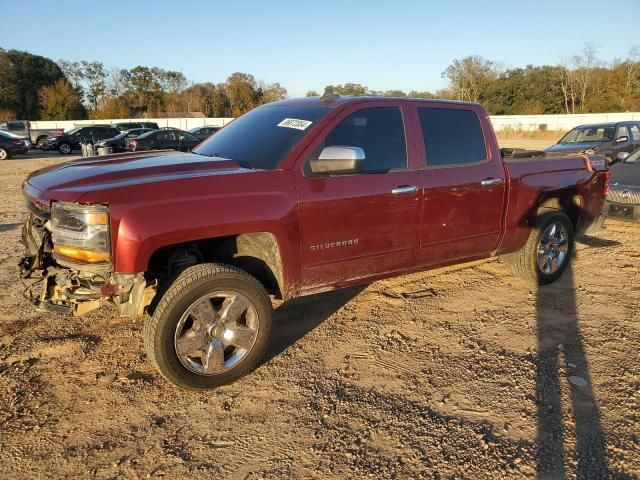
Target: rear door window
{"x": 187, "y": 137}
{"x": 623, "y": 132}
{"x": 166, "y": 136}
{"x": 452, "y": 136}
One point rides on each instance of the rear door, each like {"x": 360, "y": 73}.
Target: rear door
{"x": 166, "y": 139}
{"x": 463, "y": 182}
{"x": 187, "y": 141}
{"x": 359, "y": 225}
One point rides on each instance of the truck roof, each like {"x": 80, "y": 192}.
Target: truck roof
{"x": 335, "y": 100}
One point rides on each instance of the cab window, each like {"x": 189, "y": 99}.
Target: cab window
{"x": 452, "y": 136}
{"x": 379, "y": 132}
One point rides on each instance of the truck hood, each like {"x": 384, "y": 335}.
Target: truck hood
{"x": 71, "y": 180}
{"x": 565, "y": 149}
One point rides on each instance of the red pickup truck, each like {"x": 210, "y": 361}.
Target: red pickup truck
{"x": 292, "y": 198}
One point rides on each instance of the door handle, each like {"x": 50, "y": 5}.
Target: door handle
{"x": 402, "y": 190}
{"x": 488, "y": 182}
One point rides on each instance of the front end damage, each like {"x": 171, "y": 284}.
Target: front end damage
{"x": 58, "y": 285}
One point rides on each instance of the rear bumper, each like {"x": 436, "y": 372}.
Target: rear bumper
{"x": 622, "y": 211}
{"x": 14, "y": 150}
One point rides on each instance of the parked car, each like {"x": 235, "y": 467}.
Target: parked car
{"x": 125, "y": 126}
{"x": 119, "y": 142}
{"x": 606, "y": 139}
{"x": 293, "y": 198}
{"x": 23, "y": 128}
{"x": 204, "y": 132}
{"x": 12, "y": 144}
{"x": 623, "y": 201}
{"x": 70, "y": 141}
{"x": 163, "y": 139}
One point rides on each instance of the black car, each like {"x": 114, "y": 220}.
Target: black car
{"x": 204, "y": 132}
{"x": 163, "y": 139}
{"x": 119, "y": 142}
{"x": 71, "y": 140}
{"x": 123, "y": 126}
{"x": 11, "y": 144}
{"x": 606, "y": 139}
{"x": 623, "y": 201}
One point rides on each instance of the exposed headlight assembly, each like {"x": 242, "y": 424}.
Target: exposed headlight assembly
{"x": 80, "y": 233}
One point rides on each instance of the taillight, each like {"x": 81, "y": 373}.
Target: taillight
{"x": 17, "y": 142}
{"x": 59, "y": 131}
{"x": 607, "y": 179}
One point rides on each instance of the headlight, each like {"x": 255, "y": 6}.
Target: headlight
{"x": 80, "y": 232}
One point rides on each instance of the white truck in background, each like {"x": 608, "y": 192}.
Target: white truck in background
{"x": 23, "y": 128}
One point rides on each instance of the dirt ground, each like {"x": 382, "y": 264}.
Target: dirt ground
{"x": 462, "y": 372}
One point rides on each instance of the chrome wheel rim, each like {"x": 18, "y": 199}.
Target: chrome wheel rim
{"x": 64, "y": 148}
{"x": 3, "y": 154}
{"x": 553, "y": 248}
{"x": 216, "y": 332}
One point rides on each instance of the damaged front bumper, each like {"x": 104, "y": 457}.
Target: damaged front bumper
{"x": 62, "y": 287}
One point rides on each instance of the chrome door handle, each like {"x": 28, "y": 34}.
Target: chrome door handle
{"x": 401, "y": 190}
{"x": 491, "y": 181}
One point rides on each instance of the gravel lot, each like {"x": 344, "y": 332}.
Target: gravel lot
{"x": 463, "y": 372}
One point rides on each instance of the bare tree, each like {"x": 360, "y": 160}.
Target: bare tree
{"x": 585, "y": 65}
{"x": 632, "y": 69}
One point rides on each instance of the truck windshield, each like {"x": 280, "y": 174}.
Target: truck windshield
{"x": 590, "y": 133}
{"x": 262, "y": 138}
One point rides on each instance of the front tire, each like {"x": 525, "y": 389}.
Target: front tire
{"x": 64, "y": 148}
{"x": 548, "y": 250}
{"x": 210, "y": 328}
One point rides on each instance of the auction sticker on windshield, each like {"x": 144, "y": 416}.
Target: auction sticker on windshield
{"x": 295, "y": 123}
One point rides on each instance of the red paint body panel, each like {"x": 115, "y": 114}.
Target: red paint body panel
{"x": 333, "y": 231}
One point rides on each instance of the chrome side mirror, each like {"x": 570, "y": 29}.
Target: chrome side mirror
{"x": 622, "y": 139}
{"x": 338, "y": 159}
{"x": 622, "y": 156}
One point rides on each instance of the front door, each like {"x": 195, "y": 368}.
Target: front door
{"x": 360, "y": 225}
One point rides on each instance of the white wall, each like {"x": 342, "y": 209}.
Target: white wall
{"x": 501, "y": 122}
{"x": 181, "y": 123}
{"x": 557, "y": 122}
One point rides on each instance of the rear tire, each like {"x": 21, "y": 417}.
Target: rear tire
{"x": 211, "y": 327}
{"x": 4, "y": 155}
{"x": 40, "y": 143}
{"x": 541, "y": 261}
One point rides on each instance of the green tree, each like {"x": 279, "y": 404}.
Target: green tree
{"x": 95, "y": 79}
{"x": 243, "y": 93}
{"x": 61, "y": 102}
{"x": 147, "y": 92}
{"x": 470, "y": 76}
{"x": 22, "y": 75}
{"x": 273, "y": 93}
{"x": 354, "y": 89}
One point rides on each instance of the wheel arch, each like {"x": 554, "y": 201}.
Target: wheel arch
{"x": 571, "y": 204}
{"x": 257, "y": 253}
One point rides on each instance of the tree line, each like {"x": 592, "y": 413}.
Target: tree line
{"x": 34, "y": 87}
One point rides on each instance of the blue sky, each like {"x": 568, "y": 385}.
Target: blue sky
{"x": 309, "y": 44}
